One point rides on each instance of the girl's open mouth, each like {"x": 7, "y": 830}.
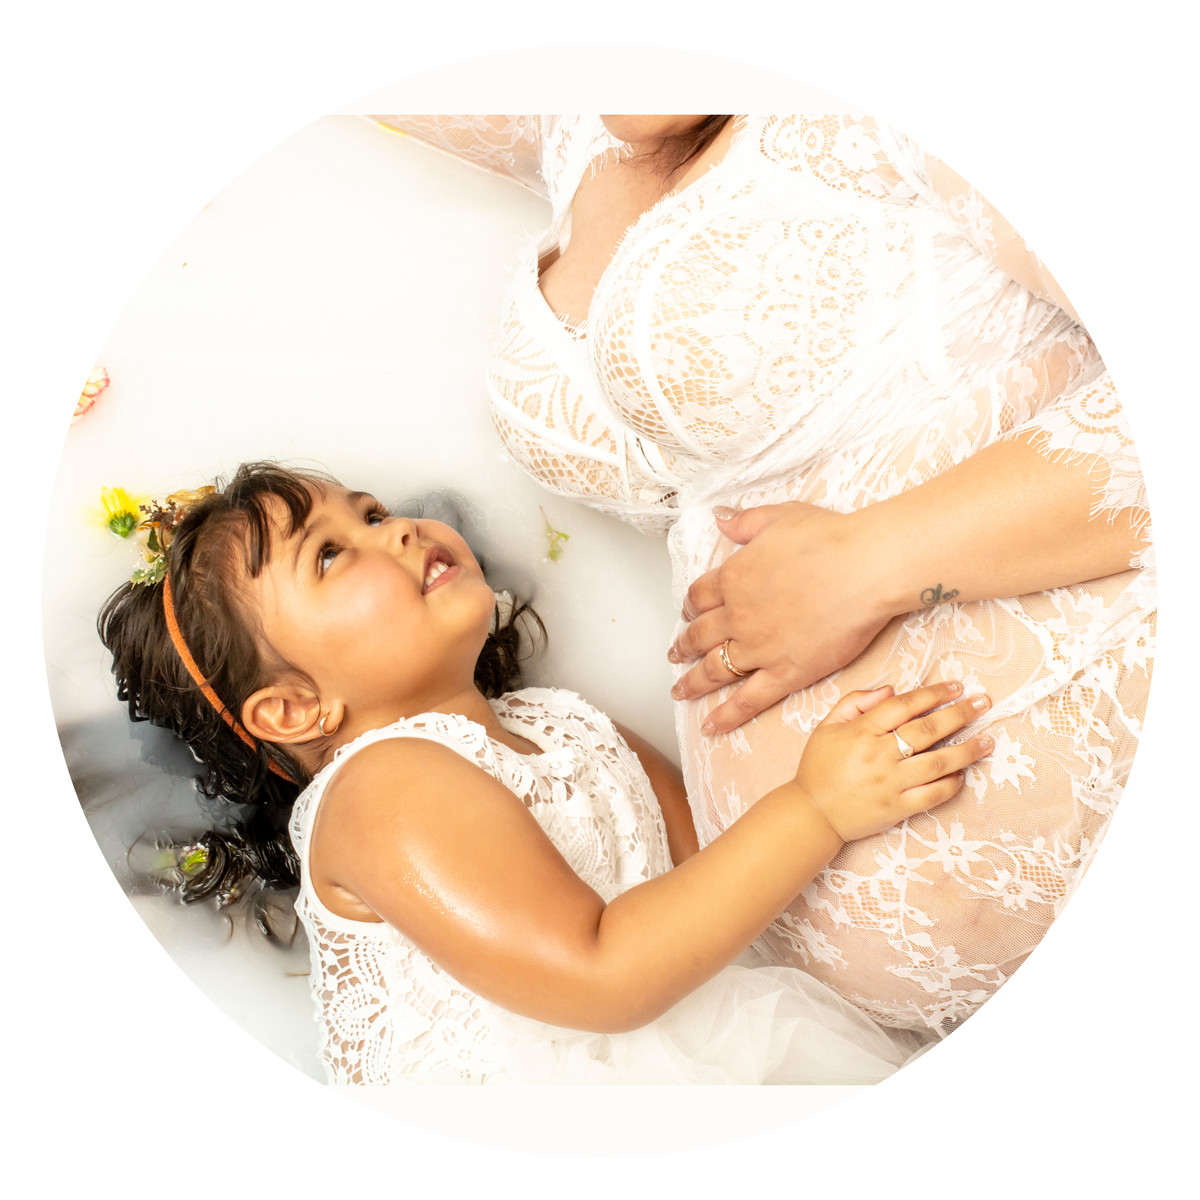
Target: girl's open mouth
{"x": 439, "y": 569}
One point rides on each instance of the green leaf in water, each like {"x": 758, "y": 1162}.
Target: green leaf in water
{"x": 554, "y": 538}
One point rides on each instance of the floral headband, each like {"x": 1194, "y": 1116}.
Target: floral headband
{"x": 159, "y": 526}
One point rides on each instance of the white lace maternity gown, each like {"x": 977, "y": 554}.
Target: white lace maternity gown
{"x": 830, "y": 315}
{"x": 388, "y": 1014}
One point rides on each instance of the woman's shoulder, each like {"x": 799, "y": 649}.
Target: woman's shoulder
{"x": 847, "y": 151}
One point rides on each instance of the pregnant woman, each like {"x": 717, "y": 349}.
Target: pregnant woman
{"x": 807, "y": 320}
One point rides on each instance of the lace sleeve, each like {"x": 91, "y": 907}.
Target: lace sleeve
{"x": 1086, "y": 426}
{"x": 508, "y": 145}
{"x": 978, "y": 220}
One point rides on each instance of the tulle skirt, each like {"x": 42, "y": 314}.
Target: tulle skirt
{"x": 749, "y": 1024}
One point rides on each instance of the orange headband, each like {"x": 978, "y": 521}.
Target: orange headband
{"x": 185, "y": 657}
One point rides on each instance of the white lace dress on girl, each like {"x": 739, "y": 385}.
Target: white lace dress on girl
{"x": 388, "y": 1014}
{"x": 829, "y": 315}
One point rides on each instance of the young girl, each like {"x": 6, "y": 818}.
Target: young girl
{"x": 496, "y": 885}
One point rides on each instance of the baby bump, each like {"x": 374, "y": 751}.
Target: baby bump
{"x": 919, "y": 925}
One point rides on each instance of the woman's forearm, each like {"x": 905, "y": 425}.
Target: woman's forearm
{"x": 1006, "y": 521}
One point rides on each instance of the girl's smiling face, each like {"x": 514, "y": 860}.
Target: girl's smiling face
{"x": 385, "y": 614}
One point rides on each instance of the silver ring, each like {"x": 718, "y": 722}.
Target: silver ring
{"x": 724, "y": 653}
{"x": 906, "y": 751}
{"x": 321, "y": 724}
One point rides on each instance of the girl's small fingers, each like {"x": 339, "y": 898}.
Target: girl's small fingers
{"x": 947, "y": 762}
{"x": 854, "y": 704}
{"x": 929, "y": 795}
{"x": 926, "y": 730}
{"x": 902, "y": 708}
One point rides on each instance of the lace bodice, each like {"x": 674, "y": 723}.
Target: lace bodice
{"x": 809, "y": 306}
{"x": 385, "y": 1009}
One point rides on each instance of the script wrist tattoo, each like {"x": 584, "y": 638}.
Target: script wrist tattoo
{"x": 935, "y": 595}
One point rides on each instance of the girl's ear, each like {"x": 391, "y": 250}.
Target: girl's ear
{"x": 287, "y": 714}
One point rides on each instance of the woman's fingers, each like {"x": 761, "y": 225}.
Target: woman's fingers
{"x": 755, "y": 695}
{"x": 703, "y": 640}
{"x": 743, "y": 525}
{"x": 714, "y": 670}
{"x": 704, "y": 593}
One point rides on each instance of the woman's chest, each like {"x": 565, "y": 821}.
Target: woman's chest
{"x": 606, "y": 204}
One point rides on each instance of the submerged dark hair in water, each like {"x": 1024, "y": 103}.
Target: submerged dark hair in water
{"x": 225, "y": 538}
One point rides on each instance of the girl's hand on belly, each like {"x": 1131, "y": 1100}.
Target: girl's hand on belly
{"x": 796, "y": 603}
{"x": 878, "y": 758}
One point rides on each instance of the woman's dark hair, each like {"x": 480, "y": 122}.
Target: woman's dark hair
{"x": 680, "y": 148}
{"x": 223, "y": 539}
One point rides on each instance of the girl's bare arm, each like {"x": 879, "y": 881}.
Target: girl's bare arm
{"x": 429, "y": 842}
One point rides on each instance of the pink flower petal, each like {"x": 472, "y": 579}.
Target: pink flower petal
{"x": 97, "y": 381}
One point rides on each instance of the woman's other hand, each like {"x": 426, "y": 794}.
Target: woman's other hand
{"x": 877, "y": 758}
{"x": 794, "y": 604}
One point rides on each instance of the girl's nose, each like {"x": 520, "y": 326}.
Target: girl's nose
{"x": 400, "y": 532}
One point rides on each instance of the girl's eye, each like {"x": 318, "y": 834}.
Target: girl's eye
{"x": 325, "y": 557}
{"x": 376, "y": 516}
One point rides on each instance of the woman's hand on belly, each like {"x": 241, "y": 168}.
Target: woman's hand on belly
{"x": 796, "y": 603}
{"x": 810, "y": 588}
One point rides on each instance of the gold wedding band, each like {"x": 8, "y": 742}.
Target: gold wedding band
{"x": 724, "y": 653}
{"x": 906, "y": 751}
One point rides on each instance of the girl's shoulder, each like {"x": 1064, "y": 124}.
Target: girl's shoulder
{"x": 401, "y": 750}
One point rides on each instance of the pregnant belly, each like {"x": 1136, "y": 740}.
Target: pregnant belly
{"x": 920, "y": 925}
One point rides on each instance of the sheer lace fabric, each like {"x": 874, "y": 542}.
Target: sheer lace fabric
{"x": 388, "y": 1014}
{"x": 830, "y": 315}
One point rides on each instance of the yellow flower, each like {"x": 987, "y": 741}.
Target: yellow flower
{"x": 122, "y": 512}
{"x": 97, "y": 381}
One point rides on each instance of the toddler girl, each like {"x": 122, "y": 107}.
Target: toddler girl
{"x": 496, "y": 885}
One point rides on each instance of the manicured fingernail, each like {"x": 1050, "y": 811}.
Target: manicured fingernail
{"x": 708, "y": 728}
{"x": 724, "y": 513}
{"x": 953, "y": 686}
{"x": 678, "y": 692}
{"x": 979, "y": 703}
{"x": 986, "y": 744}
{"x": 673, "y": 656}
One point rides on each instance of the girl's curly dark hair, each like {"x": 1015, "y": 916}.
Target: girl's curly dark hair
{"x": 223, "y": 539}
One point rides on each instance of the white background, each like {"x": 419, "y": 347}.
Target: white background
{"x": 123, "y": 119}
